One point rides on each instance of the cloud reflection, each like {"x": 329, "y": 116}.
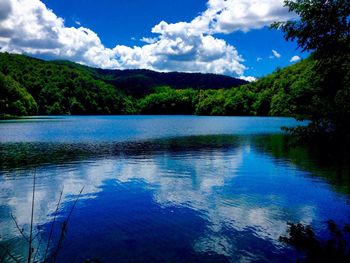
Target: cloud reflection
{"x": 232, "y": 186}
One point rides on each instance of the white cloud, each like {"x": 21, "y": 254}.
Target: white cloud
{"x": 275, "y": 54}
{"x": 28, "y": 26}
{"x": 295, "y": 58}
{"x": 258, "y": 59}
{"x": 248, "y": 78}
{"x": 149, "y": 40}
{"x": 33, "y": 29}
{"x": 226, "y": 16}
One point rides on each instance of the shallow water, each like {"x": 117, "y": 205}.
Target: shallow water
{"x": 163, "y": 188}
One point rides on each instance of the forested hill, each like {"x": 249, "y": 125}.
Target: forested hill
{"x": 31, "y": 86}
{"x": 285, "y": 92}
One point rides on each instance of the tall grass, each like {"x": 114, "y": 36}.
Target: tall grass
{"x": 31, "y": 256}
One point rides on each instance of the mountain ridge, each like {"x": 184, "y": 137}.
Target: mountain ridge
{"x": 138, "y": 82}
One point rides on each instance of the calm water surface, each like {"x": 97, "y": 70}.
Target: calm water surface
{"x": 163, "y": 188}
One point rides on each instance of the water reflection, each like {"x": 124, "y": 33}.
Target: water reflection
{"x": 328, "y": 162}
{"x": 198, "y": 198}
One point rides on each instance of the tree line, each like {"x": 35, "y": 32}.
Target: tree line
{"x": 31, "y": 86}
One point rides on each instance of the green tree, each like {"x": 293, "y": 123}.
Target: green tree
{"x": 323, "y": 28}
{"x": 15, "y": 100}
{"x": 323, "y": 25}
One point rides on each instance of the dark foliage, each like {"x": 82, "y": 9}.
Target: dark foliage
{"x": 333, "y": 249}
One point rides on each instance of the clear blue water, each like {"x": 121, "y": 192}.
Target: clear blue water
{"x": 163, "y": 188}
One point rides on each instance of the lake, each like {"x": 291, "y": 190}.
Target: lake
{"x": 163, "y": 188}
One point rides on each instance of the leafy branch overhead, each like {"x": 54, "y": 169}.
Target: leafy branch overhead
{"x": 323, "y": 25}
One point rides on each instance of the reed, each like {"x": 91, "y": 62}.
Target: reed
{"x": 48, "y": 257}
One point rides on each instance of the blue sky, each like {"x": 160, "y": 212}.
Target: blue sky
{"x": 116, "y": 22}
{"x": 218, "y": 36}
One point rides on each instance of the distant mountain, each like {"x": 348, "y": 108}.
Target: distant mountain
{"x": 139, "y": 82}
